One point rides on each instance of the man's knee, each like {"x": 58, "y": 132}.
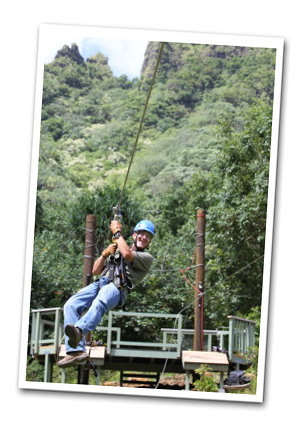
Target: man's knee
{"x": 108, "y": 297}
{"x": 68, "y": 304}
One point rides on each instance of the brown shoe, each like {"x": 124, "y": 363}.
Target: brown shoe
{"x": 71, "y": 359}
{"x": 74, "y": 335}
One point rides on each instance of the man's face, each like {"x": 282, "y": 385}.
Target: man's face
{"x": 143, "y": 239}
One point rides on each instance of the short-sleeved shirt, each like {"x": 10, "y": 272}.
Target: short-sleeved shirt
{"x": 140, "y": 266}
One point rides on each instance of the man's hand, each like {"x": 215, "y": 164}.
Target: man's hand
{"x": 108, "y": 251}
{"x": 115, "y": 226}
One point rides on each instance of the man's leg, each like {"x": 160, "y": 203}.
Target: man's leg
{"x": 108, "y": 297}
{"x": 74, "y": 308}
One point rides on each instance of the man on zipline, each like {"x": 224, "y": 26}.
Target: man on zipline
{"x": 109, "y": 291}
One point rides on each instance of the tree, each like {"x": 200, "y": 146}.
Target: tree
{"x": 237, "y": 198}
{"x": 58, "y": 253}
{"x": 182, "y": 161}
{"x": 100, "y": 203}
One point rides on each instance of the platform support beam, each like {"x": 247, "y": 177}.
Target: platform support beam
{"x": 89, "y": 254}
{"x": 89, "y": 249}
{"x": 48, "y": 368}
{"x": 199, "y": 281}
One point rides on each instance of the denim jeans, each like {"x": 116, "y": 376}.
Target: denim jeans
{"x": 96, "y": 299}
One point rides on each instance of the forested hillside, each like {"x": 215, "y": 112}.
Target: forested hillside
{"x": 205, "y": 143}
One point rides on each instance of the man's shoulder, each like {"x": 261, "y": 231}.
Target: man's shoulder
{"x": 145, "y": 254}
{"x": 142, "y": 257}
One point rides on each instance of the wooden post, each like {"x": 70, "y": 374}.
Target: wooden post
{"x": 88, "y": 261}
{"x": 199, "y": 281}
{"x": 89, "y": 249}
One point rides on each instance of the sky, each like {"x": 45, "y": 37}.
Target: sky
{"x": 124, "y": 56}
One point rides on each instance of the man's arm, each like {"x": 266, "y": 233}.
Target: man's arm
{"x": 123, "y": 247}
{"x": 101, "y": 261}
{"x": 98, "y": 266}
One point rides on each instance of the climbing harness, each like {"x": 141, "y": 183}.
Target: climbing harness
{"x": 115, "y": 271}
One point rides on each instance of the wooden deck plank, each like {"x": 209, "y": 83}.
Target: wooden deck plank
{"x": 95, "y": 352}
{"x": 216, "y": 360}
{"x": 202, "y": 357}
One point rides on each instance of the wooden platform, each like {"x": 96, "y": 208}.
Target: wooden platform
{"x": 142, "y": 356}
{"x": 216, "y": 361}
{"x": 97, "y": 353}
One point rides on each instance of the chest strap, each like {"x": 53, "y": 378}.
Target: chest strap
{"x": 115, "y": 270}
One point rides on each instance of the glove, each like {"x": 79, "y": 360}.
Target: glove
{"x": 108, "y": 251}
{"x": 115, "y": 226}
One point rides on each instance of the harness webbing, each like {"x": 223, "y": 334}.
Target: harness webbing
{"x": 115, "y": 270}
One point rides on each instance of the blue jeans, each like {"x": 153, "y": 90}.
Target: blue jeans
{"x": 97, "y": 299}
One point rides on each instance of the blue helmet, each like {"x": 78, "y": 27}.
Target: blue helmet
{"x": 146, "y": 225}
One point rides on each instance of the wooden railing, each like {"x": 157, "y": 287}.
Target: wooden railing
{"x": 120, "y": 347}
{"x": 241, "y": 338}
{"x": 212, "y": 338}
{"x": 47, "y": 333}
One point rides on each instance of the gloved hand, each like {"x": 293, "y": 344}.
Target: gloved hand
{"x": 115, "y": 226}
{"x": 108, "y": 251}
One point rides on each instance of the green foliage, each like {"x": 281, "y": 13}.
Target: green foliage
{"x": 100, "y": 203}
{"x": 34, "y": 371}
{"x": 251, "y": 373}
{"x": 57, "y": 269}
{"x": 58, "y": 248}
{"x": 205, "y": 143}
{"x": 253, "y": 315}
{"x": 206, "y": 380}
{"x": 237, "y": 213}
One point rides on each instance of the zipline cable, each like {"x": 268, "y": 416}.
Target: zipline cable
{"x": 141, "y": 123}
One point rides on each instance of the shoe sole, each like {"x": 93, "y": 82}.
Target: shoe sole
{"x": 76, "y": 360}
{"x": 73, "y": 338}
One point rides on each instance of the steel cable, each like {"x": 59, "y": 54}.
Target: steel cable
{"x": 141, "y": 122}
